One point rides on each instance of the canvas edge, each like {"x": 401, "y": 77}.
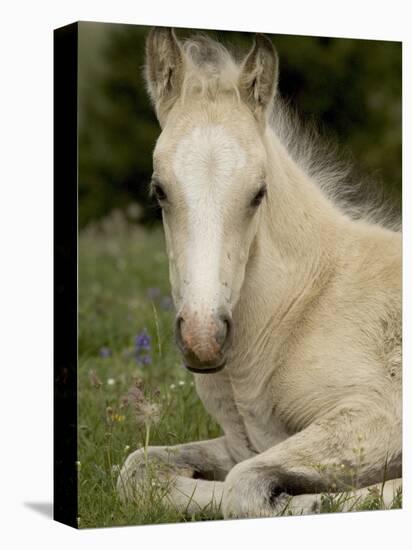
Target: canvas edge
{"x": 65, "y": 261}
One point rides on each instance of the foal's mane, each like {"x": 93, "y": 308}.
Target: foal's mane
{"x": 211, "y": 69}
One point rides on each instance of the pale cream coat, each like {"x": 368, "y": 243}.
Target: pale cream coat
{"x": 310, "y": 397}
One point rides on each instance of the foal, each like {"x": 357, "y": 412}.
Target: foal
{"x": 289, "y": 309}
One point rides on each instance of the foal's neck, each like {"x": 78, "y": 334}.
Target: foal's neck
{"x": 300, "y": 221}
{"x": 292, "y": 256}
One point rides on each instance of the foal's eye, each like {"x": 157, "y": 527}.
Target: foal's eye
{"x": 158, "y": 192}
{"x": 257, "y": 199}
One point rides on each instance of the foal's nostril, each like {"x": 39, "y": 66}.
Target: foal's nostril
{"x": 228, "y": 322}
{"x": 203, "y": 339}
{"x": 178, "y": 330}
{"x": 225, "y": 332}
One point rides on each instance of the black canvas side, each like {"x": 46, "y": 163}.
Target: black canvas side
{"x": 65, "y": 274}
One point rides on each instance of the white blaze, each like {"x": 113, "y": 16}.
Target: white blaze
{"x": 205, "y": 163}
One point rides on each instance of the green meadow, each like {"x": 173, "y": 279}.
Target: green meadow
{"x": 126, "y": 342}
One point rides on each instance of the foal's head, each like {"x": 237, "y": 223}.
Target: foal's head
{"x": 209, "y": 178}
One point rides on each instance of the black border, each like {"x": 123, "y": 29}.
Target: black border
{"x": 65, "y": 274}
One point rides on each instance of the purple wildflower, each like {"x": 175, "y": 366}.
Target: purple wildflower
{"x": 142, "y": 341}
{"x": 105, "y": 352}
{"x": 144, "y": 359}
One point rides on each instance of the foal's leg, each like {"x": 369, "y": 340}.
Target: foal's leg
{"x": 348, "y": 449}
{"x": 347, "y": 501}
{"x": 192, "y": 473}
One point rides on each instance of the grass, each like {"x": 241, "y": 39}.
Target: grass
{"x": 120, "y": 267}
{"x": 124, "y": 291}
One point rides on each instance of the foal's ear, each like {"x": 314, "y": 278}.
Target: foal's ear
{"x": 259, "y": 76}
{"x": 163, "y": 70}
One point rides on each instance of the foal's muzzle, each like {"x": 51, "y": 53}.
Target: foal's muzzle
{"x": 203, "y": 339}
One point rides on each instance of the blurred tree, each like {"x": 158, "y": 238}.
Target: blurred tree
{"x": 351, "y": 87}
{"x": 118, "y": 128}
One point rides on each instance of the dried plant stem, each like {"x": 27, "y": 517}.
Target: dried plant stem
{"x": 146, "y": 443}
